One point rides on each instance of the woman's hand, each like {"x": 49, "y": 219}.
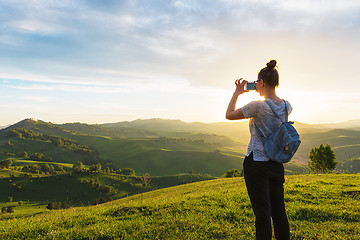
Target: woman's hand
{"x": 231, "y": 113}
{"x": 240, "y": 86}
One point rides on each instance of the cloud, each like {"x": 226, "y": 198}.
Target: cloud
{"x": 158, "y": 38}
{"x": 148, "y": 48}
{"x": 179, "y": 4}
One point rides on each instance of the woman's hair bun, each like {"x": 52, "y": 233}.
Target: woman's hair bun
{"x": 271, "y": 65}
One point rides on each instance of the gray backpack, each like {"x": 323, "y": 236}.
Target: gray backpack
{"x": 282, "y": 144}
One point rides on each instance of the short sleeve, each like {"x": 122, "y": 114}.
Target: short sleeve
{"x": 289, "y": 107}
{"x": 251, "y": 109}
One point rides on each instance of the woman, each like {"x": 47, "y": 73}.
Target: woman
{"x": 264, "y": 178}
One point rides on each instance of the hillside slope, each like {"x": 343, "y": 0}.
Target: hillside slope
{"x": 163, "y": 147}
{"x": 177, "y": 153}
{"x": 82, "y": 188}
{"x": 344, "y": 142}
{"x": 318, "y": 207}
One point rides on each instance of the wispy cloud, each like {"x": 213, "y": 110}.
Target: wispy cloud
{"x": 157, "y": 38}
{"x": 148, "y": 48}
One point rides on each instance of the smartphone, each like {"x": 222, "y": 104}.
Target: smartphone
{"x": 250, "y": 86}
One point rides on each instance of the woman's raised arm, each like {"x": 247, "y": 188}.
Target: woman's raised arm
{"x": 231, "y": 113}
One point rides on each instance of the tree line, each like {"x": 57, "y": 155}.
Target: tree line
{"x": 90, "y": 154}
{"x": 65, "y": 143}
{"x": 79, "y": 167}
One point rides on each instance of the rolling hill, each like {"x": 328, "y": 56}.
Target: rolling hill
{"x": 318, "y": 207}
{"x": 162, "y": 147}
{"x": 82, "y": 188}
{"x": 158, "y": 156}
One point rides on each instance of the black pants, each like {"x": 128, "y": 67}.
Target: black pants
{"x": 264, "y": 183}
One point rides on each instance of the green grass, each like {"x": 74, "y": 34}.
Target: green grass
{"x": 22, "y": 162}
{"x": 345, "y": 143}
{"x": 318, "y": 207}
{"x": 161, "y": 156}
{"x": 31, "y": 146}
{"x": 157, "y": 156}
{"x": 6, "y": 173}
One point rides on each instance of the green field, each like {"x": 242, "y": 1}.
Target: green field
{"x": 318, "y": 207}
{"x": 82, "y": 188}
{"x": 22, "y": 162}
{"x": 166, "y": 147}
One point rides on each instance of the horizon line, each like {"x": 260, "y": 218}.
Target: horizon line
{"x": 168, "y": 119}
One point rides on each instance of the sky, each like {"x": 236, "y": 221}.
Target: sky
{"x": 108, "y": 61}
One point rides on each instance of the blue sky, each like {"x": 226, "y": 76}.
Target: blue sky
{"x": 109, "y": 61}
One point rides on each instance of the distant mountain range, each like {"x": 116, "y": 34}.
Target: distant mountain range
{"x": 351, "y": 124}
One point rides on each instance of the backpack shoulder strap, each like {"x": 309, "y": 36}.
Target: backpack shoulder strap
{"x": 277, "y": 114}
{"x": 262, "y": 136}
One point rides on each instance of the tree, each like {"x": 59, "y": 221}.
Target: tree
{"x": 95, "y": 168}
{"x": 10, "y": 209}
{"x": 233, "y": 173}
{"x": 78, "y": 167}
{"x": 127, "y": 171}
{"x": 3, "y": 210}
{"x": 145, "y": 180}
{"x": 45, "y": 168}
{"x": 6, "y": 163}
{"x": 322, "y": 159}
{"x": 37, "y": 157}
{"x": 59, "y": 168}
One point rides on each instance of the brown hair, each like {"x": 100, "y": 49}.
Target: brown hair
{"x": 269, "y": 74}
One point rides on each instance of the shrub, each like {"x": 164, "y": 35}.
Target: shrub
{"x": 102, "y": 200}
{"x": 145, "y": 180}
{"x": 37, "y": 157}
{"x": 78, "y": 167}
{"x": 59, "y": 168}
{"x": 57, "y": 205}
{"x": 6, "y": 163}
{"x": 126, "y": 171}
{"x": 95, "y": 168}
{"x": 10, "y": 209}
{"x": 33, "y": 168}
{"x": 65, "y": 205}
{"x": 3, "y": 210}
{"x": 234, "y": 173}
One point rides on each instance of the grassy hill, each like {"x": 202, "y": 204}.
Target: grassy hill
{"x": 21, "y": 162}
{"x": 82, "y": 188}
{"x": 351, "y": 125}
{"x": 229, "y": 133}
{"x": 158, "y": 156}
{"x": 318, "y": 207}
{"x": 162, "y": 147}
{"x": 164, "y": 156}
{"x": 345, "y": 143}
